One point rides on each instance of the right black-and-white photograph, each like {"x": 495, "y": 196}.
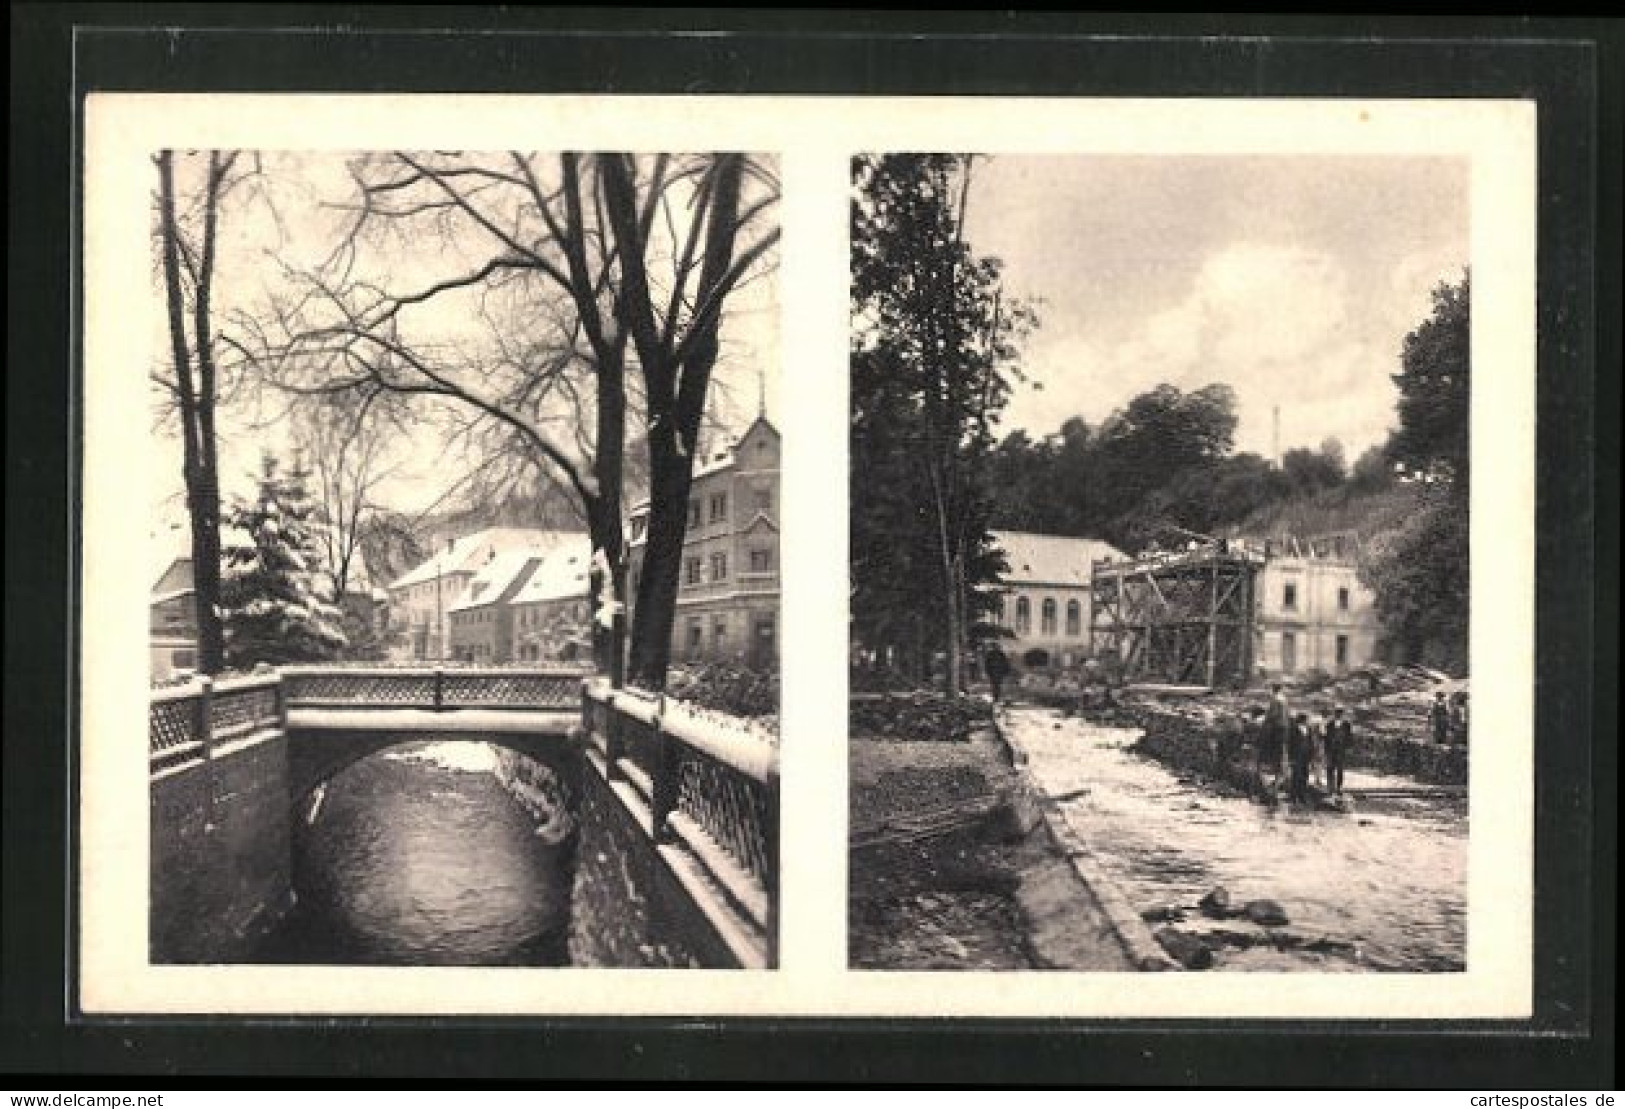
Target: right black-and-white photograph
{"x": 1160, "y": 562}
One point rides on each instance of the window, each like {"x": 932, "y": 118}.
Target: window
{"x": 691, "y": 571}
{"x": 1289, "y": 595}
{"x": 1024, "y": 616}
{"x": 694, "y": 512}
{"x": 1289, "y": 652}
{"x": 761, "y": 561}
{"x": 1343, "y": 649}
{"x": 764, "y": 500}
{"x": 719, "y": 566}
{"x": 1074, "y": 618}
{"x": 183, "y": 658}
{"x": 719, "y": 507}
{"x": 719, "y": 632}
{"x": 696, "y": 635}
{"x": 1047, "y": 620}
{"x": 1343, "y": 599}
{"x": 638, "y": 524}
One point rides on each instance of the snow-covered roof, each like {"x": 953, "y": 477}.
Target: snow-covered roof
{"x": 1050, "y": 559}
{"x": 562, "y": 575}
{"x": 470, "y": 554}
{"x": 499, "y": 576}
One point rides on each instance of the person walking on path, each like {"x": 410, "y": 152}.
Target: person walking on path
{"x": 1339, "y": 737}
{"x": 997, "y": 665}
{"x": 1272, "y": 739}
{"x": 1439, "y": 719}
{"x": 1299, "y": 749}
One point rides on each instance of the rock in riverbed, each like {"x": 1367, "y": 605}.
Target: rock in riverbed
{"x": 1216, "y": 903}
{"x": 1265, "y": 912}
{"x": 1190, "y": 952}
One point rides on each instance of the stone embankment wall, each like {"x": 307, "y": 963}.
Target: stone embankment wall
{"x": 221, "y": 868}
{"x": 627, "y": 908}
{"x": 1221, "y": 750}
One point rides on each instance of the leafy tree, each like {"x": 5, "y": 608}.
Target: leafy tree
{"x": 1420, "y": 576}
{"x": 1435, "y": 391}
{"x": 933, "y": 343}
{"x": 273, "y": 603}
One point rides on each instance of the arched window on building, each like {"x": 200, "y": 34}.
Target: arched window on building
{"x": 1074, "y": 618}
{"x": 1048, "y": 618}
{"x": 1024, "y": 616}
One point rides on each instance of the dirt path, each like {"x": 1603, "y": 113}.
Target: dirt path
{"x": 951, "y": 869}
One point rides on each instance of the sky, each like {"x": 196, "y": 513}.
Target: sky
{"x": 1293, "y": 279}
{"x": 290, "y": 219}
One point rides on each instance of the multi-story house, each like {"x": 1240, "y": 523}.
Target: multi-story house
{"x": 1313, "y": 613}
{"x": 728, "y": 583}
{"x": 481, "y": 621}
{"x": 421, "y": 598}
{"x": 1045, "y": 596}
{"x": 172, "y": 628}
{"x": 550, "y": 617}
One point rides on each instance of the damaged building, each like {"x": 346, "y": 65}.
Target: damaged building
{"x": 1227, "y": 612}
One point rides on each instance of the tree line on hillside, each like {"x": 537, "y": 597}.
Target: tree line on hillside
{"x": 934, "y": 351}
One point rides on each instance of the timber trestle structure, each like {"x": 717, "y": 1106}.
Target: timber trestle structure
{"x": 1185, "y": 618}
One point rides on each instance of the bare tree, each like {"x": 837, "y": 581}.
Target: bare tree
{"x": 605, "y": 263}
{"x": 344, "y": 440}
{"x": 187, "y": 248}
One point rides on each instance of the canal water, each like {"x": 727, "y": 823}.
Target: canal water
{"x": 421, "y": 855}
{"x": 1382, "y": 888}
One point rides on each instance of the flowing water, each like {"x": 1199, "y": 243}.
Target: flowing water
{"x": 1382, "y": 888}
{"x": 421, "y": 856}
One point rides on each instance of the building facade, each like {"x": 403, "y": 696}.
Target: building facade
{"x": 728, "y": 581}
{"x": 172, "y": 623}
{"x": 1313, "y": 613}
{"x": 1045, "y": 596}
{"x": 481, "y": 623}
{"x": 421, "y": 599}
{"x": 551, "y": 619}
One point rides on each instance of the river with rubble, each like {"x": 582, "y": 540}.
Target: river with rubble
{"x": 1382, "y": 888}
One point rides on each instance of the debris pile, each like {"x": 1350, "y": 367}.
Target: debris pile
{"x": 919, "y": 716}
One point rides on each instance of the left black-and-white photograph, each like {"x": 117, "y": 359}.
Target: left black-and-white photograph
{"x": 464, "y": 558}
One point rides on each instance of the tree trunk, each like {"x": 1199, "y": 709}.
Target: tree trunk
{"x": 670, "y": 482}
{"x": 196, "y": 404}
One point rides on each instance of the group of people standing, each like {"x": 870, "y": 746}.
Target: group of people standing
{"x": 1290, "y": 744}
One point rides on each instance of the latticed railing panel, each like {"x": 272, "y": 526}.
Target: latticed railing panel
{"x": 339, "y": 688}
{"x": 238, "y": 710}
{"x": 172, "y": 724}
{"x": 511, "y": 690}
{"x": 734, "y": 810}
{"x": 639, "y": 743}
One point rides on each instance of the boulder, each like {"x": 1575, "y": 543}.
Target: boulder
{"x": 1265, "y": 912}
{"x": 1215, "y": 903}
{"x": 1190, "y": 952}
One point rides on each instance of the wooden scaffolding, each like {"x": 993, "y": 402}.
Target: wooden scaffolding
{"x": 1184, "y": 619}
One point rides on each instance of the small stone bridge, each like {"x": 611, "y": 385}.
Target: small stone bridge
{"x": 677, "y": 810}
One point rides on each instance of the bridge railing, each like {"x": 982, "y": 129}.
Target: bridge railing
{"x": 711, "y": 784}
{"x": 437, "y": 688}
{"x": 189, "y": 721}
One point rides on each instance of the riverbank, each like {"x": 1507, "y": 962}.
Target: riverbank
{"x": 953, "y": 865}
{"x": 1228, "y": 884}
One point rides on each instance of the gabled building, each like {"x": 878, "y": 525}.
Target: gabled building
{"x": 172, "y": 624}
{"x": 481, "y": 621}
{"x": 551, "y": 618}
{"x": 1045, "y": 595}
{"x": 421, "y": 598}
{"x": 1313, "y": 611}
{"x": 728, "y": 583}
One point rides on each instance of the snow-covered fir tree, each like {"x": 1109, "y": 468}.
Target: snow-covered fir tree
{"x": 273, "y": 601}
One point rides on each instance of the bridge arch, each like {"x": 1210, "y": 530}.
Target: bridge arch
{"x": 317, "y": 755}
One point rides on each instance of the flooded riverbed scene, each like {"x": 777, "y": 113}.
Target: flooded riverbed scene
{"x": 1380, "y": 888}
